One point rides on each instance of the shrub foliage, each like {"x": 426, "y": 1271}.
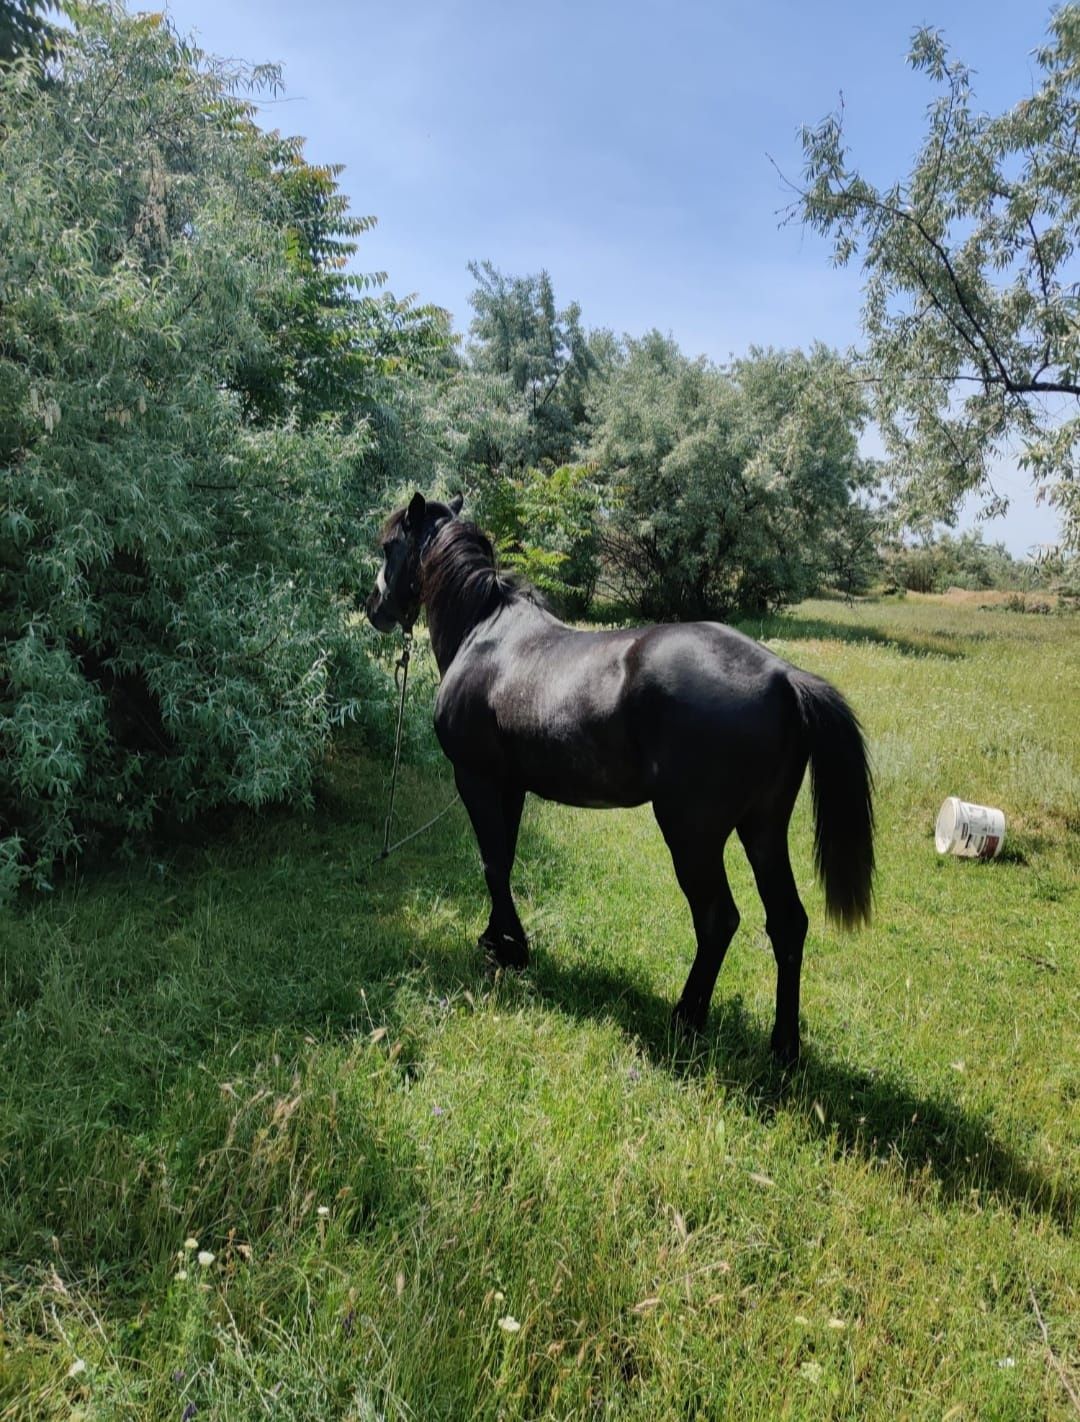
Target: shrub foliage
{"x": 726, "y": 488}
{"x": 177, "y": 340}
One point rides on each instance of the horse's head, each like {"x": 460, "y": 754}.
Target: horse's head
{"x": 395, "y": 598}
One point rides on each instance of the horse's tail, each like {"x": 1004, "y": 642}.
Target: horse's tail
{"x": 843, "y": 799}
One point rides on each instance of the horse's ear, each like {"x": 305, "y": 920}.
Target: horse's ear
{"x": 414, "y": 514}
{"x": 456, "y": 503}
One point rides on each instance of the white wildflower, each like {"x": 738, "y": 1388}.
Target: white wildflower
{"x": 205, "y": 1258}
{"x": 509, "y": 1324}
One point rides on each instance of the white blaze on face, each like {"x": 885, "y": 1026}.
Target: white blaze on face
{"x": 380, "y": 581}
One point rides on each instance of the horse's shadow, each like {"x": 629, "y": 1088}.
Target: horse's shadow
{"x": 875, "y": 1115}
{"x": 866, "y": 1113}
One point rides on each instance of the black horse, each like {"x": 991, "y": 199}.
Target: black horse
{"x": 705, "y": 723}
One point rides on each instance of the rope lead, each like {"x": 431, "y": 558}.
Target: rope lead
{"x": 402, "y": 666}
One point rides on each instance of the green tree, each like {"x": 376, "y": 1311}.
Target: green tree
{"x": 172, "y": 632}
{"x": 462, "y": 430}
{"x": 850, "y": 543}
{"x": 971, "y": 299}
{"x": 936, "y": 562}
{"x": 545, "y": 526}
{"x": 340, "y": 344}
{"x": 721, "y": 484}
{"x": 452, "y": 424}
{"x": 24, "y": 29}
{"x": 518, "y": 334}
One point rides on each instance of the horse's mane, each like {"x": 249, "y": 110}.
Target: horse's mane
{"x": 461, "y": 585}
{"x": 458, "y": 571}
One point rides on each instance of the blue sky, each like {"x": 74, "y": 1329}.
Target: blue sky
{"x": 623, "y": 147}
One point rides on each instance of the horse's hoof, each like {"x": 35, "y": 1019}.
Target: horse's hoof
{"x": 504, "y": 951}
{"x": 687, "y": 1019}
{"x": 785, "y": 1048}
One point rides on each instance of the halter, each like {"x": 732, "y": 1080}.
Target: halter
{"x": 407, "y": 627}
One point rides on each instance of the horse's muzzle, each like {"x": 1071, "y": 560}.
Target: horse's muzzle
{"x": 379, "y": 614}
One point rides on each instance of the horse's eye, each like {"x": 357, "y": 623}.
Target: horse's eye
{"x": 387, "y": 548}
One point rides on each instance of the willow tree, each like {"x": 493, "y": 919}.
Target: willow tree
{"x": 970, "y": 315}
{"x": 178, "y": 445}
{"x": 543, "y": 353}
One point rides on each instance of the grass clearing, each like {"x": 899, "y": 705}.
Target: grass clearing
{"x": 268, "y": 1046}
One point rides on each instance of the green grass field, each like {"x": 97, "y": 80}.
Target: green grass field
{"x": 430, "y": 1195}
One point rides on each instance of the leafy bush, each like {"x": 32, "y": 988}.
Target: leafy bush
{"x": 723, "y": 484}
{"x": 173, "y": 633}
{"x": 545, "y": 527}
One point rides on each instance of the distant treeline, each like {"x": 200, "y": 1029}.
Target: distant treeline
{"x": 940, "y": 561}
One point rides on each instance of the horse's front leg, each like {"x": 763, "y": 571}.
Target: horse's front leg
{"x": 495, "y": 812}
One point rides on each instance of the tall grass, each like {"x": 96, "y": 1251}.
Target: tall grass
{"x": 428, "y": 1194}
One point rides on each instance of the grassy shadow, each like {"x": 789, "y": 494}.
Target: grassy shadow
{"x": 804, "y": 629}
{"x": 876, "y": 1116}
{"x": 871, "y": 1114}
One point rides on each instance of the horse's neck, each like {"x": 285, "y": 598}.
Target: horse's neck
{"x": 443, "y": 642}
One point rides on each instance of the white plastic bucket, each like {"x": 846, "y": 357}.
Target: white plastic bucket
{"x": 971, "y": 831}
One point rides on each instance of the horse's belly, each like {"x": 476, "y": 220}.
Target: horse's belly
{"x": 573, "y": 795}
{"x": 579, "y": 775}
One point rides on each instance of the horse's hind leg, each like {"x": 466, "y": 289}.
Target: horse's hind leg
{"x": 513, "y": 802}
{"x": 495, "y": 812}
{"x": 785, "y": 923}
{"x": 698, "y": 856}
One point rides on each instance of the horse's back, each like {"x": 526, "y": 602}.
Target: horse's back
{"x": 621, "y": 717}
{"x": 702, "y": 661}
